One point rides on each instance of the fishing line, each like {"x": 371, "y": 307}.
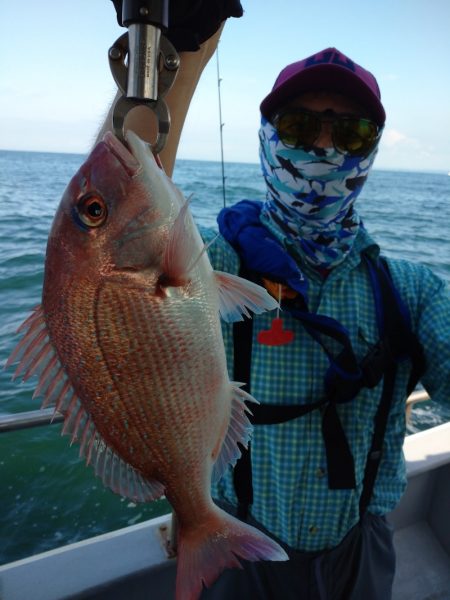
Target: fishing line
{"x": 221, "y": 128}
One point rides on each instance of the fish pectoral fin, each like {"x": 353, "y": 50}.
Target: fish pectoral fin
{"x": 238, "y": 296}
{"x": 239, "y": 431}
{"x": 179, "y": 251}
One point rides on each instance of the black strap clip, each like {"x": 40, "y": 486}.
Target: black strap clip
{"x": 373, "y": 365}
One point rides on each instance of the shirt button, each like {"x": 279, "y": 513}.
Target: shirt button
{"x": 320, "y": 472}
{"x": 313, "y": 530}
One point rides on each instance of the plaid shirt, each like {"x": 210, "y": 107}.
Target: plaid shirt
{"x": 291, "y": 495}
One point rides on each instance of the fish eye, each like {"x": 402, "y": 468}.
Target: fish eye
{"x": 92, "y": 210}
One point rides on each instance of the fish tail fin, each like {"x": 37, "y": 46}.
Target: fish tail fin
{"x": 203, "y": 553}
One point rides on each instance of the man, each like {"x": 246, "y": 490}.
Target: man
{"x": 356, "y": 334}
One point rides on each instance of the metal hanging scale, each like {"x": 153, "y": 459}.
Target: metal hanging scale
{"x": 144, "y": 65}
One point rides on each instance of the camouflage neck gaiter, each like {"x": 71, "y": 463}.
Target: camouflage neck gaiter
{"x": 310, "y": 196}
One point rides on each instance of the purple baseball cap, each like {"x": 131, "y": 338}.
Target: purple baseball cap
{"x": 328, "y": 70}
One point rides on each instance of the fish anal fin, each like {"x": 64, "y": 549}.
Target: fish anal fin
{"x": 238, "y": 296}
{"x": 239, "y": 431}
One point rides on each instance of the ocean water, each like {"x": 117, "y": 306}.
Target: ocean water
{"x": 48, "y": 498}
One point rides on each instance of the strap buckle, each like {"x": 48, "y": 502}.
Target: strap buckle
{"x": 373, "y": 365}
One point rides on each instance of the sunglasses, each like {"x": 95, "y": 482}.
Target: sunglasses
{"x": 299, "y": 128}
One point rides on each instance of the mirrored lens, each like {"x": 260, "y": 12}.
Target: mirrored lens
{"x": 354, "y": 136}
{"x": 297, "y": 129}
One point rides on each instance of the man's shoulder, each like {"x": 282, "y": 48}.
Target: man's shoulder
{"x": 413, "y": 277}
{"x": 413, "y": 274}
{"x": 417, "y": 284}
{"x": 222, "y": 255}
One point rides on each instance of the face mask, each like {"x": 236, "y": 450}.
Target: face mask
{"x": 310, "y": 196}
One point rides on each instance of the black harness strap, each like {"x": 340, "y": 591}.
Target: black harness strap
{"x": 402, "y": 342}
{"x": 396, "y": 340}
{"x": 242, "y": 473}
{"x": 340, "y": 463}
{"x": 376, "y": 449}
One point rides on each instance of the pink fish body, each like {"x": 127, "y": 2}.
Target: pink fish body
{"x": 127, "y": 344}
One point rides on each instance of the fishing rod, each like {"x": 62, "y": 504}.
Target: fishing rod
{"x": 219, "y": 80}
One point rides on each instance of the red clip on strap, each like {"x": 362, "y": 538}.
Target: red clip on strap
{"x": 276, "y": 335}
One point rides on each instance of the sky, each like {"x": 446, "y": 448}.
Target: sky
{"x": 56, "y": 86}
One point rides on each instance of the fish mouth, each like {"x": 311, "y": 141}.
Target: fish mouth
{"x": 133, "y": 242}
{"x": 133, "y": 154}
{"x": 124, "y": 154}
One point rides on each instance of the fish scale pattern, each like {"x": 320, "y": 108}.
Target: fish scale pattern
{"x": 172, "y": 392}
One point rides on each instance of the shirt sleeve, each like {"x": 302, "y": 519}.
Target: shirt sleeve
{"x": 434, "y": 333}
{"x": 428, "y": 299}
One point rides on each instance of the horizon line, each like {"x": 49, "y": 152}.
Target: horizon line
{"x": 240, "y": 162}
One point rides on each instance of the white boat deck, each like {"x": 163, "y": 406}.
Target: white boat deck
{"x": 131, "y": 564}
{"x": 422, "y": 519}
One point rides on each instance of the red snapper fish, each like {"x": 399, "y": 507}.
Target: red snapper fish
{"x": 127, "y": 345}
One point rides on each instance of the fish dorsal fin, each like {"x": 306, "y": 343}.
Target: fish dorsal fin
{"x": 238, "y": 296}
{"x": 239, "y": 431}
{"x": 37, "y": 356}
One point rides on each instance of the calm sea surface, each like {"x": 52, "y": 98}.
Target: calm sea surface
{"x": 47, "y": 496}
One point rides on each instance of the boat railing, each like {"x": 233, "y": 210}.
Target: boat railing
{"x": 48, "y": 416}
